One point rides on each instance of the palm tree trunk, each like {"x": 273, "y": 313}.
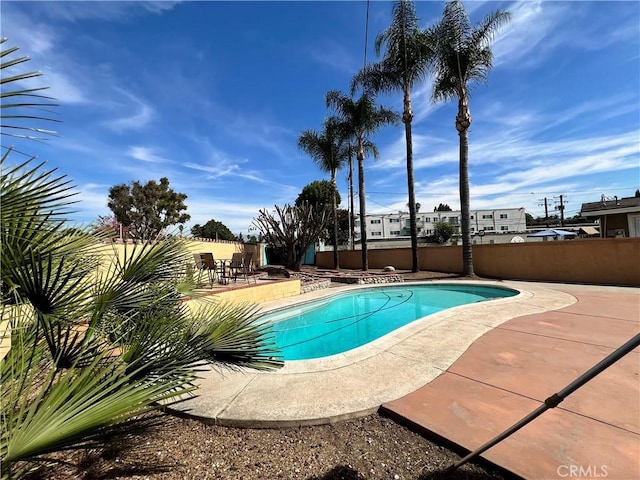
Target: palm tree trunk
{"x": 463, "y": 122}
{"x": 363, "y": 220}
{"x": 352, "y": 214}
{"x": 336, "y": 260}
{"x": 407, "y": 117}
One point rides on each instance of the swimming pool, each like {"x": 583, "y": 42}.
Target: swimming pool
{"x": 352, "y": 319}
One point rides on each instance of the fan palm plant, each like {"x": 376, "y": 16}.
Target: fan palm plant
{"x": 407, "y": 58}
{"x": 95, "y": 340}
{"x": 463, "y": 56}
{"x": 329, "y": 150}
{"x": 361, "y": 118}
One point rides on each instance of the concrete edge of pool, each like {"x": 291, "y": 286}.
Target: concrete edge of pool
{"x": 356, "y": 383}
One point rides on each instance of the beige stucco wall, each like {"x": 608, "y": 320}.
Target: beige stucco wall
{"x": 264, "y": 291}
{"x": 605, "y": 261}
{"x": 220, "y": 249}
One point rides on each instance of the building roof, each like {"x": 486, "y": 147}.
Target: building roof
{"x": 608, "y": 206}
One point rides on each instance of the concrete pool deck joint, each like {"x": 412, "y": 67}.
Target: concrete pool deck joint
{"x": 357, "y": 382}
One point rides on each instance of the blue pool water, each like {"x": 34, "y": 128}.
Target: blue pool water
{"x": 349, "y": 320}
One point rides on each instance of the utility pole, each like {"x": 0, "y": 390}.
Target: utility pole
{"x": 546, "y": 210}
{"x": 561, "y": 209}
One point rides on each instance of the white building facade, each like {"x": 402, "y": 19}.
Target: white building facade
{"x": 397, "y": 225}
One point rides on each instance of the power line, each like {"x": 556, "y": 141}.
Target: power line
{"x": 366, "y": 35}
{"x": 18, "y": 151}
{"x": 599, "y": 190}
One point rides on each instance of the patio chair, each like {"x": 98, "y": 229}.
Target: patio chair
{"x": 236, "y": 265}
{"x": 241, "y": 264}
{"x": 205, "y": 261}
{"x": 248, "y": 266}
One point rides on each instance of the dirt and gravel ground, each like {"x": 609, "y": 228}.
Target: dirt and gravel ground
{"x": 371, "y": 448}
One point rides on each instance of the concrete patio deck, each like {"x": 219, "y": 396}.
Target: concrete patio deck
{"x": 506, "y": 374}
{"x": 468, "y": 373}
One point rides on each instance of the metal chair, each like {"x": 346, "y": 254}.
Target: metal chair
{"x": 205, "y": 261}
{"x": 247, "y": 262}
{"x": 237, "y": 265}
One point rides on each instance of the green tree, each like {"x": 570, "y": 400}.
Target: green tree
{"x": 361, "y": 118}
{"x": 463, "y": 56}
{"x": 146, "y": 210}
{"x": 291, "y": 230}
{"x": 406, "y": 62}
{"x": 320, "y": 194}
{"x": 442, "y": 232}
{"x": 529, "y": 219}
{"x": 343, "y": 226}
{"x": 443, "y": 207}
{"x": 213, "y": 230}
{"x": 96, "y": 340}
{"x": 329, "y": 150}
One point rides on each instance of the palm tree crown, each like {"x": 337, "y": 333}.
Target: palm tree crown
{"x": 329, "y": 150}
{"x": 361, "y": 118}
{"x": 463, "y": 53}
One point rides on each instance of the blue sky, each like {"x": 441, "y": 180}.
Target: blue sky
{"x": 213, "y": 95}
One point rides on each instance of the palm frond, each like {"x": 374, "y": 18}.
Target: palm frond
{"x": 73, "y": 407}
{"x": 463, "y": 52}
{"x": 19, "y": 111}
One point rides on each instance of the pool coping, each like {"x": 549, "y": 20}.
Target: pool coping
{"x": 356, "y": 383}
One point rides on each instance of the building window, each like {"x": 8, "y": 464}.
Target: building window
{"x": 428, "y": 232}
{"x": 504, "y": 215}
{"x": 453, "y": 220}
{"x": 357, "y": 223}
{"x": 376, "y": 221}
{"x": 394, "y": 220}
{"x": 471, "y": 217}
{"x": 376, "y": 234}
{"x": 407, "y": 223}
{"x": 473, "y": 229}
{"x": 504, "y": 228}
{"x": 489, "y": 229}
{"x": 487, "y": 217}
{"x": 427, "y": 219}
{"x": 395, "y": 232}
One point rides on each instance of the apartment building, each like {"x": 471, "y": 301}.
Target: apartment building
{"x": 397, "y": 225}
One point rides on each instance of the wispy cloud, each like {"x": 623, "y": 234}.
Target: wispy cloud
{"x": 533, "y": 28}
{"x": 142, "y": 113}
{"x": 336, "y": 56}
{"x": 76, "y": 11}
{"x": 217, "y": 171}
{"x": 146, "y": 154}
{"x": 38, "y": 41}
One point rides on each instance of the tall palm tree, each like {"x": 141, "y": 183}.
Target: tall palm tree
{"x": 361, "y": 118}
{"x": 406, "y": 61}
{"x": 463, "y": 56}
{"x": 329, "y": 150}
